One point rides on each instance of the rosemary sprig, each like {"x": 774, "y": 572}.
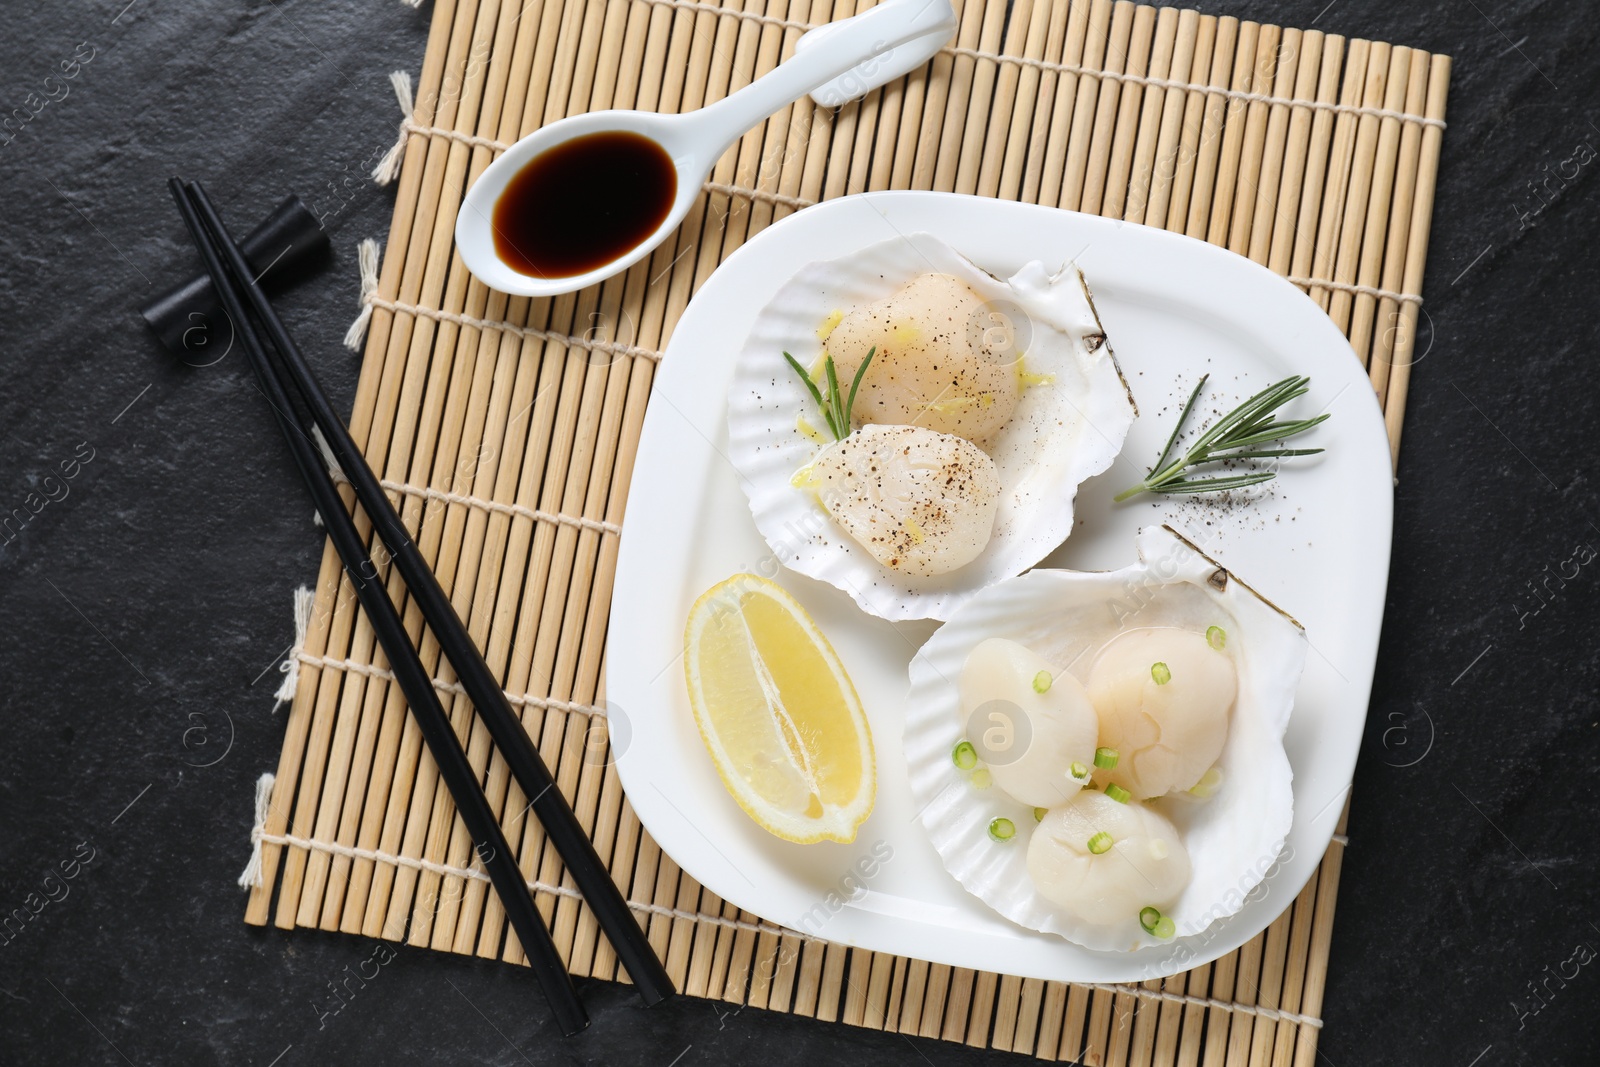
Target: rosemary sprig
{"x": 835, "y": 404}
{"x": 1237, "y": 435}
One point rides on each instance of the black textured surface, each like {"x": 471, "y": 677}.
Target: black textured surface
{"x": 144, "y": 606}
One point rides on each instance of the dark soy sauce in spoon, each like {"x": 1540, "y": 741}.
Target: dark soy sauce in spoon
{"x": 584, "y": 203}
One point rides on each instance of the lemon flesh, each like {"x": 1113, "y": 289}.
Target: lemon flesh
{"x": 777, "y": 712}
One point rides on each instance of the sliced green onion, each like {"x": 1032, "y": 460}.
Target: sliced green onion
{"x": 981, "y": 778}
{"x": 1208, "y": 784}
{"x": 1100, "y": 843}
{"x": 1002, "y": 829}
{"x": 1079, "y": 771}
{"x": 1166, "y": 928}
{"x": 1148, "y": 918}
{"x": 1040, "y": 813}
{"x": 1216, "y": 637}
{"x": 1041, "y": 682}
{"x": 1160, "y": 673}
{"x": 1105, "y": 758}
{"x": 964, "y": 755}
{"x": 1117, "y": 793}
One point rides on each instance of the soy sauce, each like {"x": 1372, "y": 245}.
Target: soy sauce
{"x": 583, "y": 204}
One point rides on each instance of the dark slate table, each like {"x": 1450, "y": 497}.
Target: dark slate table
{"x": 145, "y": 606}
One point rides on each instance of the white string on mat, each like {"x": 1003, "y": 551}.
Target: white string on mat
{"x": 1359, "y": 290}
{"x": 370, "y": 299}
{"x": 290, "y": 667}
{"x": 259, "y": 837}
{"x": 528, "y": 700}
{"x": 749, "y": 16}
{"x": 582, "y": 522}
{"x": 1168, "y": 83}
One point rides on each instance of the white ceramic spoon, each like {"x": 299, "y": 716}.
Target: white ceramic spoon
{"x": 833, "y": 63}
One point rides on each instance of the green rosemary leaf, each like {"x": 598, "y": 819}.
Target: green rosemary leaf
{"x": 1178, "y": 426}
{"x": 1236, "y": 435}
{"x": 1214, "y": 485}
{"x": 1267, "y": 453}
{"x": 840, "y": 427}
{"x": 805, "y": 379}
{"x": 849, "y": 405}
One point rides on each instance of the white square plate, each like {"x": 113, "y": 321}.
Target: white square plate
{"x": 1316, "y": 544}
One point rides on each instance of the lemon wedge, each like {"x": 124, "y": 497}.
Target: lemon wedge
{"x": 777, "y": 712}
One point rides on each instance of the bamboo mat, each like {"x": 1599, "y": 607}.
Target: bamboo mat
{"x": 505, "y": 430}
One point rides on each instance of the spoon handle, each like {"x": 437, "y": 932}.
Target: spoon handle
{"x": 850, "y": 42}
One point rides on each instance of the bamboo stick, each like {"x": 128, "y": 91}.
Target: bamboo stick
{"x": 929, "y": 130}
{"x": 979, "y": 114}
{"x": 1394, "y": 407}
{"x": 1247, "y": 181}
{"x": 1109, "y": 25}
{"x": 879, "y": 991}
{"x": 1123, "y": 1008}
{"x": 1364, "y": 183}
{"x": 1142, "y": 163}
{"x": 1017, "y": 94}
{"x": 1194, "y": 1017}
{"x": 1051, "y": 1014}
{"x": 1164, "y": 167}
{"x": 1113, "y": 195}
{"x": 1046, "y": 169}
{"x": 1403, "y": 168}
{"x": 1073, "y": 1034}
{"x": 1224, "y": 971}
{"x": 855, "y": 1005}
{"x": 1027, "y": 1030}
{"x": 1005, "y": 1013}
{"x": 1321, "y": 938}
{"x": 1096, "y": 1042}
{"x": 1340, "y": 159}
{"x": 912, "y": 992}
{"x": 1269, "y": 179}
{"x": 1246, "y": 991}
{"x": 1209, "y": 148}
{"x": 962, "y": 983}
{"x": 982, "y": 1016}
{"x": 1380, "y": 198}
{"x": 1185, "y": 158}
{"x": 1304, "y": 910}
{"x": 935, "y": 1000}
{"x": 1273, "y": 963}
{"x": 1031, "y": 165}
{"x": 1296, "y": 148}
{"x": 1142, "y": 1044}
{"x": 1234, "y": 124}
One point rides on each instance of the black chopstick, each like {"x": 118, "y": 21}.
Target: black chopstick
{"x": 471, "y": 803}
{"x": 549, "y": 804}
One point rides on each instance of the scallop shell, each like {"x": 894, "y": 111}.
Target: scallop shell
{"x": 1064, "y": 431}
{"x": 1233, "y": 838}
